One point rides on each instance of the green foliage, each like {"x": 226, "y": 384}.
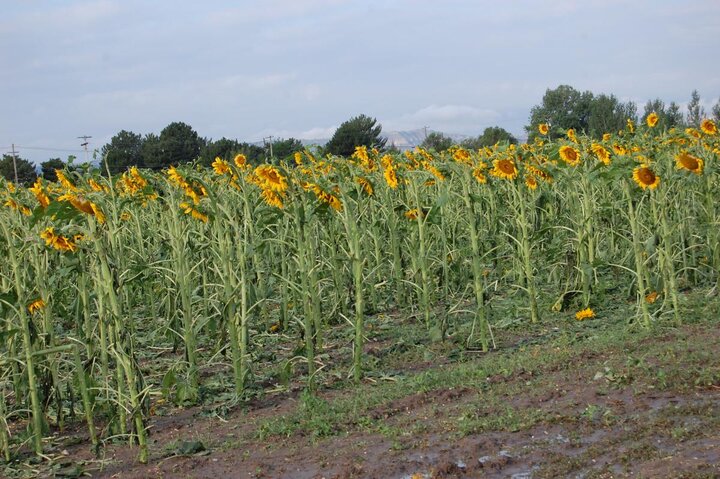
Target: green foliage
{"x": 358, "y": 131}
{"x": 564, "y": 108}
{"x": 47, "y": 168}
{"x": 284, "y": 149}
{"x": 26, "y": 173}
{"x": 124, "y": 150}
{"x": 668, "y": 117}
{"x": 437, "y": 141}
{"x": 178, "y": 143}
{"x": 223, "y": 148}
{"x": 696, "y": 113}
{"x": 490, "y": 136}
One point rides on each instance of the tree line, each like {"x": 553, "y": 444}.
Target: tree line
{"x": 562, "y": 108}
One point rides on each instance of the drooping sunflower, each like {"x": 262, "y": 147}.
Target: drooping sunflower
{"x": 36, "y": 305}
{"x": 543, "y": 128}
{"x": 601, "y": 153}
{"x": 651, "y": 297}
{"x": 685, "y": 161}
{"x": 585, "y": 314}
{"x": 412, "y": 214}
{"x": 630, "y": 125}
{"x": 272, "y": 198}
{"x": 39, "y": 192}
{"x": 505, "y": 168}
{"x": 708, "y": 127}
{"x": 59, "y": 242}
{"x": 390, "y": 176}
{"x": 692, "y": 132}
{"x": 570, "y": 155}
{"x": 619, "y": 150}
{"x": 531, "y": 182}
{"x": 479, "y": 176}
{"x": 571, "y": 135}
{"x": 606, "y": 137}
{"x": 188, "y": 209}
{"x": 365, "y": 184}
{"x": 221, "y": 167}
{"x": 645, "y": 177}
{"x": 652, "y": 120}
{"x": 271, "y": 178}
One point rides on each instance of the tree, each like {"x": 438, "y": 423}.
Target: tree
{"x": 716, "y": 111}
{"x": 284, "y": 149}
{"x": 608, "y": 114}
{"x": 563, "y": 107}
{"x": 696, "y": 113}
{"x": 670, "y": 117}
{"x": 437, "y": 141}
{"x": 490, "y": 136}
{"x": 123, "y": 151}
{"x": 358, "y": 131}
{"x": 223, "y": 148}
{"x": 47, "y": 168}
{"x": 26, "y": 173}
{"x": 178, "y": 143}
{"x": 151, "y": 153}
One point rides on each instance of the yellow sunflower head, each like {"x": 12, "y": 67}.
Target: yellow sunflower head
{"x": 570, "y": 155}
{"x": 270, "y": 178}
{"x": 505, "y": 168}
{"x": 645, "y": 177}
{"x": 685, "y": 161}
{"x": 652, "y": 120}
{"x": 543, "y": 128}
{"x": 708, "y": 127}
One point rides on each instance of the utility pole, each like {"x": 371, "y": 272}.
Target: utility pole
{"x": 268, "y": 141}
{"x": 14, "y": 153}
{"x": 425, "y": 130}
{"x": 84, "y": 144}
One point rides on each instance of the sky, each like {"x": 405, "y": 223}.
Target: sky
{"x": 299, "y": 68}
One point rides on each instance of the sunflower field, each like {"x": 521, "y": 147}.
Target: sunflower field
{"x": 197, "y": 267}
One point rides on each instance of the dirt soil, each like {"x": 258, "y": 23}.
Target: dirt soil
{"x": 582, "y": 421}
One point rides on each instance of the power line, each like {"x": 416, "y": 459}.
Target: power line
{"x": 45, "y": 148}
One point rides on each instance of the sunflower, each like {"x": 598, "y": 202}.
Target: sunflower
{"x": 62, "y": 179}
{"x": 645, "y": 177}
{"x": 412, "y": 214}
{"x": 272, "y": 198}
{"x": 570, "y": 155}
{"x": 531, "y": 182}
{"x": 543, "y": 128}
{"x": 630, "y": 125}
{"x": 188, "y": 209}
{"x": 390, "y": 176}
{"x": 685, "y": 161}
{"x": 434, "y": 171}
{"x": 39, "y": 192}
{"x": 606, "y": 137}
{"x": 651, "y": 297}
{"x": 708, "y": 127}
{"x": 11, "y": 203}
{"x": 36, "y": 305}
{"x": 479, "y": 176}
{"x": 240, "y": 161}
{"x": 692, "y": 132}
{"x": 619, "y": 150}
{"x": 365, "y": 184}
{"x": 461, "y": 155}
{"x": 221, "y": 166}
{"x": 652, "y": 120}
{"x": 602, "y": 154}
{"x": 505, "y": 168}
{"x": 585, "y": 314}
{"x": 59, "y": 242}
{"x": 271, "y": 178}
{"x": 571, "y": 135}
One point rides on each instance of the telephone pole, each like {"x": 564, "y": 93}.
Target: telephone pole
{"x": 425, "y": 130}
{"x": 14, "y": 155}
{"x": 268, "y": 141}
{"x": 85, "y": 144}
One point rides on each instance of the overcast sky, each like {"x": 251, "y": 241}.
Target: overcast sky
{"x": 248, "y": 69}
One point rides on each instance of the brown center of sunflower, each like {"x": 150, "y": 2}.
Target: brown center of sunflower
{"x": 646, "y": 176}
{"x": 507, "y": 167}
{"x": 689, "y": 162}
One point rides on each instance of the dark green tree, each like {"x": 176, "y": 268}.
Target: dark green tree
{"x": 358, "y": 131}
{"x": 609, "y": 115}
{"x": 437, "y": 141}
{"x": 179, "y": 143}
{"x": 26, "y": 173}
{"x": 490, "y": 136}
{"x": 47, "y": 168}
{"x": 563, "y": 108}
{"x": 284, "y": 149}
{"x": 151, "y": 152}
{"x": 668, "y": 117}
{"x": 716, "y": 112}
{"x": 696, "y": 113}
{"x": 223, "y": 148}
{"x": 123, "y": 151}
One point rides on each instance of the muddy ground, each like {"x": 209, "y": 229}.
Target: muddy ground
{"x": 645, "y": 405}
